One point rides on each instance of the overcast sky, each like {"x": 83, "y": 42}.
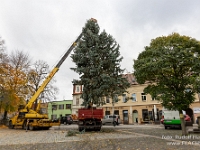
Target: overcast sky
{"x": 45, "y": 29}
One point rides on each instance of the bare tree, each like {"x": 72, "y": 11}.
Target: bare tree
{"x": 20, "y": 60}
{"x": 3, "y": 60}
{"x": 36, "y": 76}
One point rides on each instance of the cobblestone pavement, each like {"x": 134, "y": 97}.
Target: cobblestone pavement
{"x": 119, "y": 138}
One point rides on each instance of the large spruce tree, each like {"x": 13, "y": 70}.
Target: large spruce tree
{"x": 97, "y": 60}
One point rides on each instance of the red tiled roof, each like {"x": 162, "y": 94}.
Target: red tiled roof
{"x": 130, "y": 77}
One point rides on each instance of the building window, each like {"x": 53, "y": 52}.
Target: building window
{"x": 107, "y": 112}
{"x": 134, "y": 97}
{"x": 54, "y": 107}
{"x": 68, "y": 106}
{"x": 125, "y": 116}
{"x": 145, "y": 115}
{"x": 116, "y": 98}
{"x": 77, "y": 101}
{"x": 77, "y": 89}
{"x": 124, "y": 98}
{"x": 107, "y": 100}
{"x": 143, "y": 97}
{"x": 150, "y": 115}
{"x": 116, "y": 112}
{"x": 61, "y": 106}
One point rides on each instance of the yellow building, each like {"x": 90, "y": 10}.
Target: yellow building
{"x": 139, "y": 108}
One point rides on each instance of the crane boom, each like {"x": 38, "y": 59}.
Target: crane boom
{"x": 51, "y": 74}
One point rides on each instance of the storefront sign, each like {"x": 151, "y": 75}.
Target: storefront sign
{"x": 196, "y": 110}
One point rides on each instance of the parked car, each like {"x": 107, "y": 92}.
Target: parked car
{"x": 111, "y": 119}
{"x": 66, "y": 120}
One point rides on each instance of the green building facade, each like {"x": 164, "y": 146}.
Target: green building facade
{"x": 58, "y": 109}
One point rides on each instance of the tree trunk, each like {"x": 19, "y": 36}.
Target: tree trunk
{"x": 184, "y": 132}
{"x": 5, "y": 115}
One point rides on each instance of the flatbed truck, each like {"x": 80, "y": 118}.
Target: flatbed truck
{"x": 90, "y": 118}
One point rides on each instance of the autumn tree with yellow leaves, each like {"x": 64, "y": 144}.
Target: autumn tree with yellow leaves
{"x": 19, "y": 80}
{"x": 13, "y": 80}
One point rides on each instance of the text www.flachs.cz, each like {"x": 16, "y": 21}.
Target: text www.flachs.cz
{"x": 184, "y": 143}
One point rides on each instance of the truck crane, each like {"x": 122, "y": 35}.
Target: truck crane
{"x": 33, "y": 119}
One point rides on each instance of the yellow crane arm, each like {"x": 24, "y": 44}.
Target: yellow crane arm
{"x": 53, "y": 72}
{"x": 41, "y": 88}
{"x": 38, "y": 107}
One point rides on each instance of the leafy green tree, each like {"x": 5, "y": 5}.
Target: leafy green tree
{"x": 97, "y": 60}
{"x": 171, "y": 64}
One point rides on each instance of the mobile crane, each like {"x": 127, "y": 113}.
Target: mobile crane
{"x": 33, "y": 119}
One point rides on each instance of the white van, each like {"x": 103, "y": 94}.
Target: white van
{"x": 172, "y": 118}
{"x": 111, "y": 119}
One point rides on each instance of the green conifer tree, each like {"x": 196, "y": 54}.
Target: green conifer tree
{"x": 97, "y": 60}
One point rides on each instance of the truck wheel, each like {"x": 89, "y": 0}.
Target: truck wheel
{"x": 80, "y": 129}
{"x": 165, "y": 127}
{"x": 11, "y": 126}
{"x": 24, "y": 125}
{"x": 31, "y": 127}
{"x": 99, "y": 129}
